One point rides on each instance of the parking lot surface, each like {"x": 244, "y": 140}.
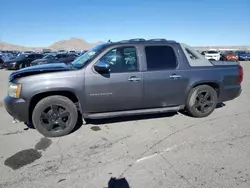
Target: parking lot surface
{"x": 156, "y": 151}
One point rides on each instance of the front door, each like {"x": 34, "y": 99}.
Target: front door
{"x": 121, "y": 89}
{"x": 164, "y": 83}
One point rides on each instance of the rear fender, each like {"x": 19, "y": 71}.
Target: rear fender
{"x": 213, "y": 83}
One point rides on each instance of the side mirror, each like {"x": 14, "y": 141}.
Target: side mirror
{"x": 102, "y": 66}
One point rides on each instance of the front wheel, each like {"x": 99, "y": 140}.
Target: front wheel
{"x": 19, "y": 66}
{"x": 55, "y": 116}
{"x": 201, "y": 101}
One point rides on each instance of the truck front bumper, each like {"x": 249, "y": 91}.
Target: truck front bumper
{"x": 17, "y": 108}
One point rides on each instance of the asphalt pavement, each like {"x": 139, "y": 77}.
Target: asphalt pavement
{"x": 156, "y": 151}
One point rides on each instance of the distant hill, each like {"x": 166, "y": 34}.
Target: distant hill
{"x": 71, "y": 44}
{"x": 7, "y": 46}
{"x": 81, "y": 44}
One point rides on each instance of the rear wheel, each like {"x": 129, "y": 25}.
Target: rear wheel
{"x": 55, "y": 116}
{"x": 201, "y": 101}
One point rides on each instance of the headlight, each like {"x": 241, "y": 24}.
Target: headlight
{"x": 14, "y": 90}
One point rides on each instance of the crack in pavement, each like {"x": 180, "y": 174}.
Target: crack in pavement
{"x": 11, "y": 133}
{"x": 176, "y": 132}
{"x": 60, "y": 151}
{"x": 181, "y": 176}
{"x": 232, "y": 139}
{"x": 108, "y": 145}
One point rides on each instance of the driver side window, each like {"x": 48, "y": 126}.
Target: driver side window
{"x": 123, "y": 59}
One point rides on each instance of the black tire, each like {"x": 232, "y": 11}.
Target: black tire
{"x": 46, "y": 103}
{"x": 19, "y": 66}
{"x": 197, "y": 97}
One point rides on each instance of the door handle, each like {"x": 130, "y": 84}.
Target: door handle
{"x": 134, "y": 79}
{"x": 175, "y": 76}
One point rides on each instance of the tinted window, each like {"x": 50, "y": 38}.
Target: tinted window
{"x": 122, "y": 59}
{"x": 49, "y": 56}
{"x": 20, "y": 57}
{"x": 64, "y": 55}
{"x": 72, "y": 56}
{"x": 32, "y": 56}
{"x": 160, "y": 57}
{"x": 191, "y": 55}
{"x": 39, "y": 56}
{"x": 58, "y": 55}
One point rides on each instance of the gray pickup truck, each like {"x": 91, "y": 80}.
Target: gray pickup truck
{"x": 130, "y": 77}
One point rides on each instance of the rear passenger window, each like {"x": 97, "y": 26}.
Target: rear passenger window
{"x": 160, "y": 57}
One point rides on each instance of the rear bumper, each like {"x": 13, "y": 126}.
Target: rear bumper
{"x": 230, "y": 93}
{"x": 17, "y": 108}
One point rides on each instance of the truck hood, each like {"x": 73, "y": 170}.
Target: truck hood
{"x": 12, "y": 60}
{"x": 39, "y": 69}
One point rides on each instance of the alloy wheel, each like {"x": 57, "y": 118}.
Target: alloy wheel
{"x": 204, "y": 101}
{"x": 55, "y": 118}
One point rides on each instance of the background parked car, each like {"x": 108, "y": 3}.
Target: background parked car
{"x": 243, "y": 55}
{"x": 21, "y": 61}
{"x": 1, "y": 62}
{"x": 6, "y": 56}
{"x": 28, "y": 52}
{"x": 212, "y": 55}
{"x": 55, "y": 58}
{"x": 229, "y": 56}
{"x": 203, "y": 53}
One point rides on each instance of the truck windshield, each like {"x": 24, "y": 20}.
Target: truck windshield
{"x": 83, "y": 60}
{"x": 20, "y": 57}
{"x": 50, "y": 56}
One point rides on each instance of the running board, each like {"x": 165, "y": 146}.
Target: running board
{"x": 133, "y": 112}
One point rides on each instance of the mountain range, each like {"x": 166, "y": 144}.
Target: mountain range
{"x": 81, "y": 44}
{"x": 71, "y": 44}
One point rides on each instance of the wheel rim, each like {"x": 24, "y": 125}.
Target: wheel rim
{"x": 204, "y": 101}
{"x": 55, "y": 118}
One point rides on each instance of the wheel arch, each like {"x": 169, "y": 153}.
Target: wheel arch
{"x": 39, "y": 96}
{"x": 214, "y": 84}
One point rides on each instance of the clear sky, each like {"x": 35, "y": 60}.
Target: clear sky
{"x": 196, "y": 22}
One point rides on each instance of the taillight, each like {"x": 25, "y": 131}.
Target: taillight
{"x": 241, "y": 74}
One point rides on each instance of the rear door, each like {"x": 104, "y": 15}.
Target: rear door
{"x": 164, "y": 84}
